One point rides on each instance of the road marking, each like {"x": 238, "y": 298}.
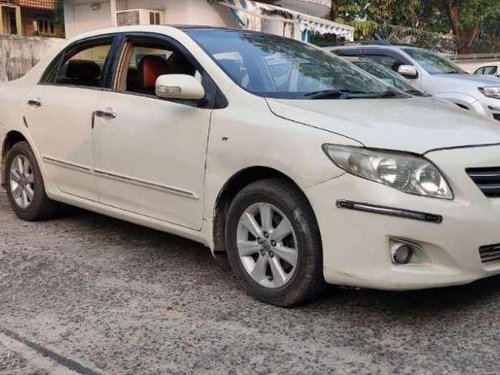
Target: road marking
{"x": 41, "y": 357}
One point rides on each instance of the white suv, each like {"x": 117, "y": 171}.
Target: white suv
{"x": 434, "y": 74}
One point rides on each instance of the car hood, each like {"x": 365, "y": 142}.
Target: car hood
{"x": 479, "y": 80}
{"x": 415, "y": 125}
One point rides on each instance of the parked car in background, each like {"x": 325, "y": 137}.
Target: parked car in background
{"x": 435, "y": 75}
{"x": 387, "y": 75}
{"x": 317, "y": 174}
{"x": 492, "y": 69}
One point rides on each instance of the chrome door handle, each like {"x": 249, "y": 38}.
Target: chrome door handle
{"x": 35, "y": 103}
{"x": 106, "y": 115}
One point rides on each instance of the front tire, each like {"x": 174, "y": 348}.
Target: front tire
{"x": 274, "y": 245}
{"x": 25, "y": 187}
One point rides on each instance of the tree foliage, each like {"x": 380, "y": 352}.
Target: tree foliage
{"x": 59, "y": 13}
{"x": 468, "y": 21}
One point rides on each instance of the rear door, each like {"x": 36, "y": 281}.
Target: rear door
{"x": 59, "y": 112}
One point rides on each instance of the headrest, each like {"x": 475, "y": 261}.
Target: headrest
{"x": 178, "y": 64}
{"x": 149, "y": 69}
{"x": 233, "y": 68}
{"x": 84, "y": 70}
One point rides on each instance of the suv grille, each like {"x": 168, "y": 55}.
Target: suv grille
{"x": 490, "y": 253}
{"x": 486, "y": 179}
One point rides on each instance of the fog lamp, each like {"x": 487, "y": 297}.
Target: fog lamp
{"x": 402, "y": 253}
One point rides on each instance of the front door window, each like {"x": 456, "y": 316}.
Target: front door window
{"x": 145, "y": 62}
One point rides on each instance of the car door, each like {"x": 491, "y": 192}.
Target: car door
{"x": 392, "y": 59}
{"x": 150, "y": 153}
{"x": 59, "y": 114}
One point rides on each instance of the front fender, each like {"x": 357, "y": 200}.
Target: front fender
{"x": 247, "y": 136}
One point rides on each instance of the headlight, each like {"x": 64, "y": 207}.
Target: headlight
{"x": 404, "y": 172}
{"x": 491, "y": 92}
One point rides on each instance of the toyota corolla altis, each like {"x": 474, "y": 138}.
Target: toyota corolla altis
{"x": 302, "y": 167}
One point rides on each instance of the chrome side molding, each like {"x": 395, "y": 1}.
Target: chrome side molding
{"x": 66, "y": 164}
{"x": 146, "y": 184}
{"x": 390, "y": 211}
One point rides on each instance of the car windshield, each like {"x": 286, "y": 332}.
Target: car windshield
{"x": 433, "y": 63}
{"x": 276, "y": 67}
{"x": 388, "y": 76}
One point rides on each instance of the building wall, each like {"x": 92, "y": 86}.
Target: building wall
{"x": 192, "y": 12}
{"x": 471, "y": 63}
{"x": 80, "y": 17}
{"x": 44, "y": 21}
{"x": 19, "y": 54}
{"x": 83, "y": 16}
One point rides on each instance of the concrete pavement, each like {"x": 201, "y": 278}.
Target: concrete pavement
{"x": 87, "y": 294}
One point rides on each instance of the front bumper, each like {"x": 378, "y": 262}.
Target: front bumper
{"x": 356, "y": 244}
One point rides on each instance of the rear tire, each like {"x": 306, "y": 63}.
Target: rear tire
{"x": 279, "y": 260}
{"x": 25, "y": 187}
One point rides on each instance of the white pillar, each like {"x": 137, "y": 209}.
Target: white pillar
{"x": 114, "y": 21}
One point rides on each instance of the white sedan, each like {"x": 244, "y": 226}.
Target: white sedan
{"x": 302, "y": 167}
{"x": 491, "y": 69}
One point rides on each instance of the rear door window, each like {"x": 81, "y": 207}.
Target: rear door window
{"x": 81, "y": 65}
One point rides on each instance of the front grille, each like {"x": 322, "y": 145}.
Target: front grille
{"x": 490, "y": 253}
{"x": 486, "y": 179}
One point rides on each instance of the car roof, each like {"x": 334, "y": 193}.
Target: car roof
{"x": 152, "y": 29}
{"x": 374, "y": 45}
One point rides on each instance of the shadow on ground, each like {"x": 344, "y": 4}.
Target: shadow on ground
{"x": 424, "y": 302}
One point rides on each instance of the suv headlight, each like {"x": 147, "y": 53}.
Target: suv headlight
{"x": 405, "y": 172}
{"x": 491, "y": 91}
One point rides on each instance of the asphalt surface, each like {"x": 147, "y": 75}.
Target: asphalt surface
{"x": 85, "y": 294}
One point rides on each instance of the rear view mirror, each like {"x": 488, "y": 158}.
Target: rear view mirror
{"x": 408, "y": 71}
{"x": 179, "y": 86}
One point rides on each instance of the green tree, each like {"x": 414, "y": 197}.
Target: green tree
{"x": 468, "y": 17}
{"x": 59, "y": 13}
{"x": 467, "y": 20}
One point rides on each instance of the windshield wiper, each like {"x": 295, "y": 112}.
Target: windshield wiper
{"x": 345, "y": 94}
{"x": 416, "y": 93}
{"x": 375, "y": 95}
{"x": 325, "y": 94}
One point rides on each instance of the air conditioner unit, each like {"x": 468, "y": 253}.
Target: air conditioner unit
{"x": 139, "y": 17}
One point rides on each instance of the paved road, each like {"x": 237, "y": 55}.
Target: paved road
{"x": 88, "y": 294}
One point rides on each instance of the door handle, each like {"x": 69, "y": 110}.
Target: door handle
{"x": 105, "y": 114}
{"x": 35, "y": 103}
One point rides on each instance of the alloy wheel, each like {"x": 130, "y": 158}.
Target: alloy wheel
{"x": 267, "y": 245}
{"x": 22, "y": 181}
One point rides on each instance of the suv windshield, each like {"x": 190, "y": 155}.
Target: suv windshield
{"x": 388, "y": 76}
{"x": 276, "y": 67}
{"x": 432, "y": 63}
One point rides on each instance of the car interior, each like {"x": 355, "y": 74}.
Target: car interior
{"x": 84, "y": 68}
{"x": 81, "y": 73}
{"x": 146, "y": 64}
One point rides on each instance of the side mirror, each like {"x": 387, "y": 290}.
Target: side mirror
{"x": 408, "y": 71}
{"x": 179, "y": 86}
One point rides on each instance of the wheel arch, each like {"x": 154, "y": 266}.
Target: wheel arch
{"x": 232, "y": 187}
{"x": 11, "y": 138}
